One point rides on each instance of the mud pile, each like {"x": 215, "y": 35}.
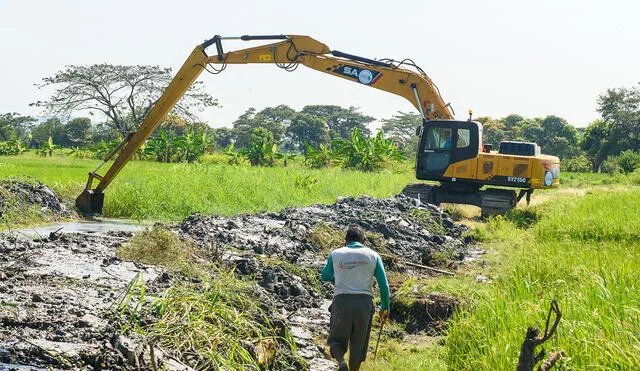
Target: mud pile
{"x": 54, "y": 294}
{"x": 403, "y": 229}
{"x": 20, "y": 194}
{"x": 396, "y": 227}
{"x": 57, "y": 294}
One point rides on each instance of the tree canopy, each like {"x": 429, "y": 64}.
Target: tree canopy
{"x": 401, "y": 127}
{"x": 14, "y": 125}
{"x": 341, "y": 121}
{"x": 124, "y": 94}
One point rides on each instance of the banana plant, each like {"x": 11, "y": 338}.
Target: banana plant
{"x": 47, "y": 148}
{"x": 162, "y": 147}
{"x": 318, "y": 158}
{"x": 366, "y": 154}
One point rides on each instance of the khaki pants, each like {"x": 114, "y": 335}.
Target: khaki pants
{"x": 350, "y": 324}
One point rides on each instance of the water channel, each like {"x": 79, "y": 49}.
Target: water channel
{"x": 85, "y": 226}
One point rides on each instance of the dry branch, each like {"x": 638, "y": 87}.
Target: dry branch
{"x": 395, "y": 258}
{"x": 528, "y": 357}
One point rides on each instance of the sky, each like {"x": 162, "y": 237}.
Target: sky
{"x": 533, "y": 58}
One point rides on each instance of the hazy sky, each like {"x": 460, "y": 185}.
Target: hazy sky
{"x": 533, "y": 58}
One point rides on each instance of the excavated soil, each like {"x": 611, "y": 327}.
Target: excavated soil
{"x": 22, "y": 193}
{"x": 57, "y": 294}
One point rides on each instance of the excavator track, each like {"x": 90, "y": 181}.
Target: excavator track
{"x": 491, "y": 201}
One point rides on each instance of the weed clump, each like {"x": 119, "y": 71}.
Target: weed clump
{"x": 427, "y": 219}
{"x": 157, "y": 246}
{"x": 326, "y": 237}
{"x": 208, "y": 318}
{"x": 524, "y": 218}
{"x": 219, "y": 323}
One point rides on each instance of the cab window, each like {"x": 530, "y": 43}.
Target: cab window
{"x": 464, "y": 138}
{"x": 439, "y": 138}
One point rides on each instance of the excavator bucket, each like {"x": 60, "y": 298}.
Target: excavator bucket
{"x": 90, "y": 201}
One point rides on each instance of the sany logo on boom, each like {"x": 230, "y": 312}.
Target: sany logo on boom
{"x": 361, "y": 75}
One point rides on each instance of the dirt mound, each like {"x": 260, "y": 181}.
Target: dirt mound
{"x": 394, "y": 226}
{"x": 17, "y": 195}
{"x": 56, "y": 294}
{"x": 53, "y": 298}
{"x": 285, "y": 251}
{"x": 427, "y": 314}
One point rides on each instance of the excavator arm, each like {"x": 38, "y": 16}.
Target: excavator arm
{"x": 291, "y": 51}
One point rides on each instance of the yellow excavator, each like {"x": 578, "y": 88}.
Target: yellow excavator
{"x": 450, "y": 152}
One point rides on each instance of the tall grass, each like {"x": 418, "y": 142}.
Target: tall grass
{"x": 161, "y": 191}
{"x": 208, "y": 318}
{"x": 583, "y": 253}
{"x": 586, "y": 180}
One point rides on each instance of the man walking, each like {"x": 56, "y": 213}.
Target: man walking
{"x": 352, "y": 269}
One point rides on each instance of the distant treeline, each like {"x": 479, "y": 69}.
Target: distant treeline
{"x": 608, "y": 144}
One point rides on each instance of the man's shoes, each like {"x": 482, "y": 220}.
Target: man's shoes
{"x": 343, "y": 366}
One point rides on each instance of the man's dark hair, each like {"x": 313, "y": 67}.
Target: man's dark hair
{"x": 355, "y": 234}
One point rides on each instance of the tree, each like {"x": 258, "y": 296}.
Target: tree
{"x": 558, "y": 137}
{"x": 530, "y": 130}
{"x": 619, "y": 129}
{"x": 103, "y": 132}
{"x": 306, "y": 128}
{"x": 14, "y": 125}
{"x": 595, "y": 142}
{"x": 620, "y": 109}
{"x": 401, "y": 127}
{"x": 341, "y": 121}
{"x": 78, "y": 131}
{"x": 51, "y": 128}
{"x": 250, "y": 120}
{"x": 125, "y": 94}
{"x": 281, "y": 114}
{"x": 511, "y": 122}
{"x": 493, "y": 131}
{"x": 222, "y": 137}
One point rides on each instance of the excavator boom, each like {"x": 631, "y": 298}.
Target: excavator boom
{"x": 288, "y": 53}
{"x": 451, "y": 152}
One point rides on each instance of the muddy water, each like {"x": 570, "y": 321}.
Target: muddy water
{"x": 87, "y": 226}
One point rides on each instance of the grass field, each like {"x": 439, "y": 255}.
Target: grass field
{"x": 161, "y": 191}
{"x": 582, "y": 252}
{"x": 579, "y": 246}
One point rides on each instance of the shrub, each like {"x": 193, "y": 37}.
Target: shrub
{"x": 629, "y": 161}
{"x": 263, "y": 151}
{"x": 318, "y": 158}
{"x": 610, "y": 165}
{"x": 579, "y": 164}
{"x": 12, "y": 147}
{"x": 47, "y": 148}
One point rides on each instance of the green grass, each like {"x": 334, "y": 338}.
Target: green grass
{"x": 583, "y": 253}
{"x": 403, "y": 355}
{"x": 586, "y": 180}
{"x": 208, "y": 317}
{"x": 580, "y": 250}
{"x": 160, "y": 191}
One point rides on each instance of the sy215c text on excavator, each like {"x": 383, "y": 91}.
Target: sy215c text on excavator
{"x": 450, "y": 151}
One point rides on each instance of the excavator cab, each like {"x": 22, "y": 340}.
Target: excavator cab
{"x": 444, "y": 142}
